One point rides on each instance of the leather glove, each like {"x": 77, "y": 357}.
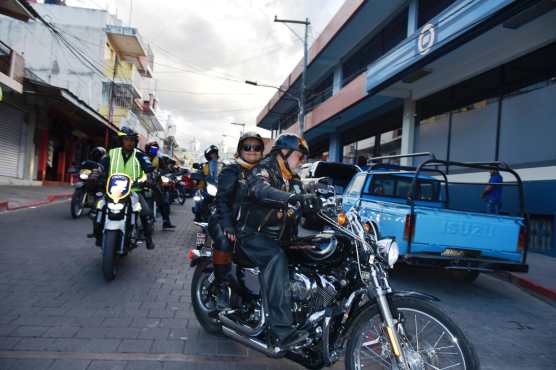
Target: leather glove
{"x": 310, "y": 203}
{"x": 230, "y": 233}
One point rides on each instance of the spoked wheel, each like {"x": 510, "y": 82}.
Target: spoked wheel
{"x": 430, "y": 340}
{"x": 77, "y": 203}
{"x": 202, "y": 300}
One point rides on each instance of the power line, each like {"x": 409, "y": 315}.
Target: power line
{"x": 201, "y": 93}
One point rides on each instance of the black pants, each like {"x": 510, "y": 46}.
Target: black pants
{"x": 273, "y": 263}
{"x": 163, "y": 203}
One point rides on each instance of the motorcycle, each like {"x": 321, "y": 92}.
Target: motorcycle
{"x": 203, "y": 202}
{"x": 341, "y": 294}
{"x": 118, "y": 211}
{"x": 84, "y": 195}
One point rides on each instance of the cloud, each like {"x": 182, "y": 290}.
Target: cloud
{"x": 201, "y": 45}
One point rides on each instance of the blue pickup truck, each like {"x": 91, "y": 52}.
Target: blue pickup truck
{"x": 412, "y": 204}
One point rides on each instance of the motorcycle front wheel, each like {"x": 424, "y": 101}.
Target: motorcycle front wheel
{"x": 110, "y": 258}
{"x": 429, "y": 338}
{"x": 77, "y": 202}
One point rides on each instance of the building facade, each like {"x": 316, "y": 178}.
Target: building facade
{"x": 97, "y": 68}
{"x": 468, "y": 80}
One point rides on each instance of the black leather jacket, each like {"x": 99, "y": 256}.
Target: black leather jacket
{"x": 267, "y": 209}
{"x": 232, "y": 190}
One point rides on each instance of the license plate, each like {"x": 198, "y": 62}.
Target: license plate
{"x": 201, "y": 239}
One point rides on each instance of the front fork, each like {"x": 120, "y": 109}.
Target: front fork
{"x": 390, "y": 324}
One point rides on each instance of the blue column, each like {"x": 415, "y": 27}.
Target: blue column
{"x": 337, "y": 79}
{"x": 335, "y": 148}
{"x": 412, "y": 17}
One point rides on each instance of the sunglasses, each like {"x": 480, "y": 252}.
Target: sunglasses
{"x": 252, "y": 148}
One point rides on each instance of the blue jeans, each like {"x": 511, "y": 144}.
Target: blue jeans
{"x": 493, "y": 206}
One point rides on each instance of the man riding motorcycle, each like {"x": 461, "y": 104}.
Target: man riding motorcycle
{"x": 231, "y": 193}
{"x": 161, "y": 167}
{"x": 209, "y": 171}
{"x": 128, "y": 160}
{"x": 267, "y": 221}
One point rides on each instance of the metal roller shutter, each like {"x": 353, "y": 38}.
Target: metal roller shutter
{"x": 10, "y": 132}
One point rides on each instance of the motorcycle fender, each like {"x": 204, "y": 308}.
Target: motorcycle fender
{"x": 115, "y": 224}
{"x": 197, "y": 260}
{"x": 79, "y": 185}
{"x": 417, "y": 295}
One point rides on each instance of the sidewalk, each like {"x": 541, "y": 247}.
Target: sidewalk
{"x": 15, "y": 197}
{"x": 541, "y": 278}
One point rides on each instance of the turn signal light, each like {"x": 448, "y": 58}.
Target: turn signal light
{"x": 409, "y": 228}
{"x": 522, "y": 240}
{"x": 342, "y": 219}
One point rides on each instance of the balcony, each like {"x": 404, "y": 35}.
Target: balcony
{"x": 127, "y": 42}
{"x": 12, "y": 66}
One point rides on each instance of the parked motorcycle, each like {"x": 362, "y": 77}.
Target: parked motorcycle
{"x": 118, "y": 211}
{"x": 84, "y": 195}
{"x": 341, "y": 294}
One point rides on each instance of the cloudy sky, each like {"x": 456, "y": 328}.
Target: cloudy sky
{"x": 204, "y": 50}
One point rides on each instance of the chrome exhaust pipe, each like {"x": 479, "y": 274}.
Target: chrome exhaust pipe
{"x": 257, "y": 345}
{"x": 243, "y": 329}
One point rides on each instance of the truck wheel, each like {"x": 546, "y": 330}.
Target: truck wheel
{"x": 464, "y": 276}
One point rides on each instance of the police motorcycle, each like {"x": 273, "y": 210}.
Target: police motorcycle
{"x": 203, "y": 200}
{"x": 341, "y": 294}
{"x": 118, "y": 211}
{"x": 84, "y": 194}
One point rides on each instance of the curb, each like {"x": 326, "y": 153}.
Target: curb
{"x": 51, "y": 198}
{"x": 536, "y": 289}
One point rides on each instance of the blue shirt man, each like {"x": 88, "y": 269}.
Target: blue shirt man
{"x": 492, "y": 194}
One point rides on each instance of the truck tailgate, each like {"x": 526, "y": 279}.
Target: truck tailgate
{"x": 492, "y": 235}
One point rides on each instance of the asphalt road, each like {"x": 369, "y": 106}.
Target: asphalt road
{"x": 57, "y": 312}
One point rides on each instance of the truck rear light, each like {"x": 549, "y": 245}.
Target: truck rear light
{"x": 522, "y": 240}
{"x": 409, "y": 228}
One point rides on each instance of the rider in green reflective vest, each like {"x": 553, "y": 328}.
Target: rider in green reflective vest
{"x": 130, "y": 161}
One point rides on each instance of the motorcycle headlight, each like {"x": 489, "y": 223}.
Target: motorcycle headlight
{"x": 164, "y": 179}
{"x": 115, "y": 207}
{"x": 84, "y": 176}
{"x": 197, "y": 198}
{"x": 178, "y": 178}
{"x": 389, "y": 250}
{"x": 211, "y": 190}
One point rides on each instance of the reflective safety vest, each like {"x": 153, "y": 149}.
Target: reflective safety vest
{"x": 132, "y": 167}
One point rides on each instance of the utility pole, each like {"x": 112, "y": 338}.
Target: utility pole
{"x": 304, "y": 75}
{"x": 239, "y": 124}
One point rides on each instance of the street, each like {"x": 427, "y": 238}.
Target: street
{"x": 57, "y": 312}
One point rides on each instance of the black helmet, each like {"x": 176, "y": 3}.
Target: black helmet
{"x": 211, "y": 149}
{"x": 292, "y": 142}
{"x": 127, "y": 132}
{"x": 249, "y": 135}
{"x": 97, "y": 154}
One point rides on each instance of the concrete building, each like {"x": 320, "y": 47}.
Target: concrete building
{"x": 468, "y": 80}
{"x": 86, "y": 75}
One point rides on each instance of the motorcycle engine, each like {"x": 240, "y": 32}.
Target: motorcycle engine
{"x": 315, "y": 291}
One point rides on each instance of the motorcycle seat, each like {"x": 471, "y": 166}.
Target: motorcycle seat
{"x": 241, "y": 259}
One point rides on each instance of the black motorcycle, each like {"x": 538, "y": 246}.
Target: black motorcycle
{"x": 84, "y": 195}
{"x": 341, "y": 295}
{"x": 203, "y": 200}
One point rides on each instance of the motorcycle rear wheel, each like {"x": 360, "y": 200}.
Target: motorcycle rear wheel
{"x": 201, "y": 299}
{"x": 432, "y": 339}
{"x": 110, "y": 258}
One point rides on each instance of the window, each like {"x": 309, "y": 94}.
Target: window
{"x": 429, "y": 9}
{"x": 356, "y": 185}
{"x": 391, "y": 35}
{"x": 400, "y": 186}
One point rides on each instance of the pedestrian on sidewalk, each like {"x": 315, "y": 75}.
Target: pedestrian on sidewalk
{"x": 492, "y": 193}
